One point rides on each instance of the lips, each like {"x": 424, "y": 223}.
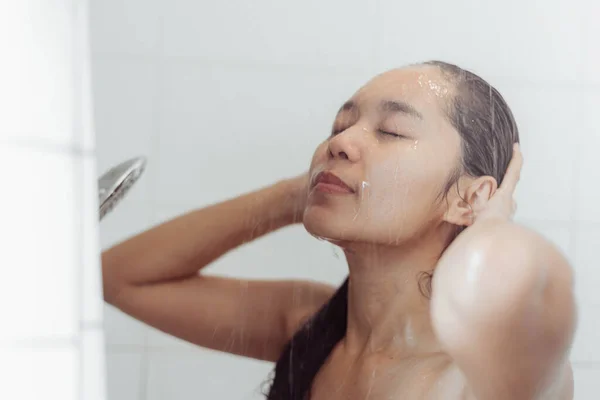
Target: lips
{"x": 328, "y": 180}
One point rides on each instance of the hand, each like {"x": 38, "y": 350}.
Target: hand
{"x": 502, "y": 206}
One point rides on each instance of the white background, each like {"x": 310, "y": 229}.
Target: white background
{"x": 226, "y": 96}
{"x": 51, "y": 336}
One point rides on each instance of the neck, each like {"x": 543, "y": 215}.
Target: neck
{"x": 388, "y": 310}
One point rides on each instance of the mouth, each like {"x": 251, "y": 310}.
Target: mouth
{"x": 328, "y": 182}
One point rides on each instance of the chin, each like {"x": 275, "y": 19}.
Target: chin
{"x": 329, "y": 226}
{"x": 349, "y": 232}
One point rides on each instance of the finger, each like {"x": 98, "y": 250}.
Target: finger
{"x": 513, "y": 172}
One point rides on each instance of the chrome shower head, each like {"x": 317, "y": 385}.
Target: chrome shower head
{"x": 116, "y": 182}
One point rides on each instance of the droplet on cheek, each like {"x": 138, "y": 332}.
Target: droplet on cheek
{"x": 363, "y": 186}
{"x": 415, "y": 144}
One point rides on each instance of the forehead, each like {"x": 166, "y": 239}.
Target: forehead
{"x": 423, "y": 87}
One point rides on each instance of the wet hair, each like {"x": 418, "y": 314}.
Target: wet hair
{"x": 488, "y": 131}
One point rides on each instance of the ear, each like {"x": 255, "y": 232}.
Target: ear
{"x": 467, "y": 203}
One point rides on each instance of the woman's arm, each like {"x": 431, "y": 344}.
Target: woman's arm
{"x": 154, "y": 276}
{"x": 179, "y": 248}
{"x": 503, "y": 307}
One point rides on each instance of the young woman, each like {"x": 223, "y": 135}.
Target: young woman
{"x": 446, "y": 297}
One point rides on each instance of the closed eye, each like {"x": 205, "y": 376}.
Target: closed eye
{"x": 391, "y": 133}
{"x": 338, "y": 131}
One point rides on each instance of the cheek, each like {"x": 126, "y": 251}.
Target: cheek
{"x": 400, "y": 188}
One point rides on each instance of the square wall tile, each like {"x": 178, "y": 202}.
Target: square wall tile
{"x": 43, "y": 255}
{"x": 290, "y": 253}
{"x": 37, "y": 79}
{"x": 588, "y": 171}
{"x": 121, "y": 330}
{"x": 219, "y": 117}
{"x": 533, "y": 40}
{"x": 125, "y": 99}
{"x": 39, "y": 373}
{"x": 586, "y": 347}
{"x": 160, "y": 340}
{"x": 335, "y": 33}
{"x": 587, "y": 382}
{"x": 204, "y": 374}
{"x": 549, "y": 119}
{"x": 124, "y": 376}
{"x": 93, "y": 366}
{"x": 130, "y": 27}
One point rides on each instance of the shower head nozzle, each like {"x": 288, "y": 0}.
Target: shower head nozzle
{"x": 116, "y": 182}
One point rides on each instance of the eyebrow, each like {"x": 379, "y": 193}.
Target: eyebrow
{"x": 400, "y": 107}
{"x": 388, "y": 106}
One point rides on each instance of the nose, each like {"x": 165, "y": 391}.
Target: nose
{"x": 344, "y": 146}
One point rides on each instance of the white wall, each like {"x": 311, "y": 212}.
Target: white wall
{"x": 201, "y": 87}
{"x": 51, "y": 336}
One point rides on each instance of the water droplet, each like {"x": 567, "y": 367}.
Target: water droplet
{"x": 415, "y": 144}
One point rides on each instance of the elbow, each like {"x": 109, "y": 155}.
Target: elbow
{"x": 501, "y": 275}
{"x": 113, "y": 284}
{"x": 111, "y": 291}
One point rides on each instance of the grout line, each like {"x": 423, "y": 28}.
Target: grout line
{"x": 41, "y": 343}
{"x": 43, "y": 145}
{"x": 79, "y": 186}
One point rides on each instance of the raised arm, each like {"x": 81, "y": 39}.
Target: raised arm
{"x": 504, "y": 309}
{"x": 503, "y": 305}
{"x": 155, "y": 278}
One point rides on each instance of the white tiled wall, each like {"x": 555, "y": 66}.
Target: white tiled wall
{"x": 52, "y": 339}
{"x": 199, "y": 87}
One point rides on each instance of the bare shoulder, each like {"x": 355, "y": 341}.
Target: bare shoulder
{"x": 309, "y": 296}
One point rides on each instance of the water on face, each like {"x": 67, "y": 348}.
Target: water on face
{"x": 434, "y": 87}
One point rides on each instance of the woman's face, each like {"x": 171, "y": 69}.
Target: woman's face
{"x": 394, "y": 148}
